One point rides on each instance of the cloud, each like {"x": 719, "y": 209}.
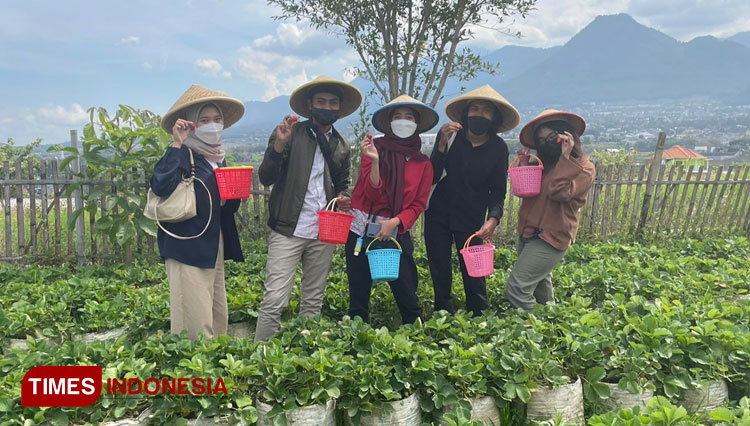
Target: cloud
{"x": 211, "y": 67}
{"x": 290, "y": 35}
{"x": 131, "y": 40}
{"x": 272, "y": 70}
{"x": 147, "y": 66}
{"x": 59, "y": 115}
{"x": 686, "y": 19}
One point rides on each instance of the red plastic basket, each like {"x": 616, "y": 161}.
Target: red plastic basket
{"x": 234, "y": 182}
{"x": 333, "y": 227}
{"x": 480, "y": 260}
{"x": 526, "y": 181}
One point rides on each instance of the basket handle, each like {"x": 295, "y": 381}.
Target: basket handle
{"x": 471, "y": 237}
{"x": 512, "y": 163}
{"x": 392, "y": 239}
{"x": 331, "y": 204}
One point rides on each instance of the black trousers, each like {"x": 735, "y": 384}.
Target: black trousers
{"x": 360, "y": 282}
{"x": 438, "y": 242}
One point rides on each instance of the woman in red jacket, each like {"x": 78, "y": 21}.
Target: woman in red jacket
{"x": 392, "y": 190}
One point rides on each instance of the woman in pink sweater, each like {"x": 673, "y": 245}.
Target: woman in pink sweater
{"x": 547, "y": 223}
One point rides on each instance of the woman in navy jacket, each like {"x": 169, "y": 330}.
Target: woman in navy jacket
{"x": 195, "y": 266}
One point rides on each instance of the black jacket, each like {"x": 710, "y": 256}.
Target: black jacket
{"x": 475, "y": 185}
{"x": 200, "y": 252}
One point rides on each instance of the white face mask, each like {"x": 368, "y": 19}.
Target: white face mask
{"x": 210, "y": 133}
{"x": 403, "y": 128}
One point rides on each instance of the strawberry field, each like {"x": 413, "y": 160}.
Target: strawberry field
{"x": 631, "y": 320}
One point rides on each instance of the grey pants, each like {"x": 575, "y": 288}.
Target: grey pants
{"x": 530, "y": 282}
{"x": 284, "y": 254}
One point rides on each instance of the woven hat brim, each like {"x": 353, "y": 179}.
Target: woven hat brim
{"x": 232, "y": 110}
{"x": 351, "y": 102}
{"x": 511, "y": 117}
{"x": 527, "y": 133}
{"x": 428, "y": 117}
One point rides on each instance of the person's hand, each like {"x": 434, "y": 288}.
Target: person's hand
{"x": 446, "y": 132}
{"x": 387, "y": 227}
{"x": 344, "y": 202}
{"x": 368, "y": 148}
{"x": 181, "y": 130}
{"x": 486, "y": 231}
{"x": 567, "y": 141}
{"x": 284, "y": 133}
{"x": 524, "y": 154}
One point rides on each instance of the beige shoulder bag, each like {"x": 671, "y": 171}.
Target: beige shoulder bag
{"x": 179, "y": 206}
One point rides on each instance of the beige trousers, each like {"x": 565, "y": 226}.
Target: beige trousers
{"x": 198, "y": 298}
{"x": 284, "y": 254}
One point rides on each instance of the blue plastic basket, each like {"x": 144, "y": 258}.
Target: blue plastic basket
{"x": 385, "y": 262}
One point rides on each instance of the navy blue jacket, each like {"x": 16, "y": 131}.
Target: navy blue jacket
{"x": 200, "y": 252}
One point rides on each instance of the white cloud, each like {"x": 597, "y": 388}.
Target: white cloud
{"x": 59, "y": 115}
{"x": 210, "y": 67}
{"x": 264, "y": 42}
{"x": 147, "y": 66}
{"x": 226, "y": 74}
{"x": 272, "y": 70}
{"x": 131, "y": 40}
{"x": 291, "y": 35}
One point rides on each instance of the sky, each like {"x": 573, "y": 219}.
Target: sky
{"x": 59, "y": 58}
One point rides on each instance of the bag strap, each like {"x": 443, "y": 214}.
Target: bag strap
{"x": 210, "y": 210}
{"x": 192, "y": 162}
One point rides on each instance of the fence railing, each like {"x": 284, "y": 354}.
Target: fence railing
{"x": 647, "y": 199}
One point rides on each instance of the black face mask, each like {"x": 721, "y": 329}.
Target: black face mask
{"x": 479, "y": 125}
{"x": 549, "y": 152}
{"x": 325, "y": 117}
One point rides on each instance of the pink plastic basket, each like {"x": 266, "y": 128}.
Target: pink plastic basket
{"x": 526, "y": 181}
{"x": 480, "y": 260}
{"x": 333, "y": 227}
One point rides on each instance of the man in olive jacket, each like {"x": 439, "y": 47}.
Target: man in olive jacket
{"x": 308, "y": 165}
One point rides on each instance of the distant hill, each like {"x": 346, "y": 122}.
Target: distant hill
{"x": 613, "y": 59}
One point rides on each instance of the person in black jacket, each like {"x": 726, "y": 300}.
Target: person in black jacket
{"x": 195, "y": 266}
{"x": 471, "y": 165}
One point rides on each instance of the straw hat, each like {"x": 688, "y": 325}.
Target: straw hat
{"x": 351, "y": 97}
{"x": 428, "y": 117}
{"x": 231, "y": 108}
{"x": 511, "y": 118}
{"x": 528, "y": 131}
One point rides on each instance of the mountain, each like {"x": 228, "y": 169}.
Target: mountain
{"x": 741, "y": 38}
{"x": 613, "y": 59}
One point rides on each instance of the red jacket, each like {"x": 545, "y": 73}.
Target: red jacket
{"x": 418, "y": 175}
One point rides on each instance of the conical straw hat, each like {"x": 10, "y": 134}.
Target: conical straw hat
{"x": 511, "y": 118}
{"x": 428, "y": 117}
{"x": 231, "y": 108}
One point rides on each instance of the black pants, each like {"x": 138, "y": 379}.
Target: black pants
{"x": 360, "y": 282}
{"x": 438, "y": 241}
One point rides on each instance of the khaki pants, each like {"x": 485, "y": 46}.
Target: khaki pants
{"x": 198, "y": 298}
{"x": 530, "y": 282}
{"x": 284, "y": 254}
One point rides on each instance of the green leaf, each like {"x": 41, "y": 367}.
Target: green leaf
{"x": 58, "y": 417}
{"x": 244, "y": 401}
{"x": 722, "y": 414}
{"x": 120, "y": 411}
{"x": 595, "y": 374}
{"x": 64, "y": 163}
{"x": 6, "y": 404}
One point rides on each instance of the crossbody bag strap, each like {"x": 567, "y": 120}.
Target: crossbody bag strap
{"x": 210, "y": 203}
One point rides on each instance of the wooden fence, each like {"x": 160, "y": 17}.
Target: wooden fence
{"x": 647, "y": 200}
